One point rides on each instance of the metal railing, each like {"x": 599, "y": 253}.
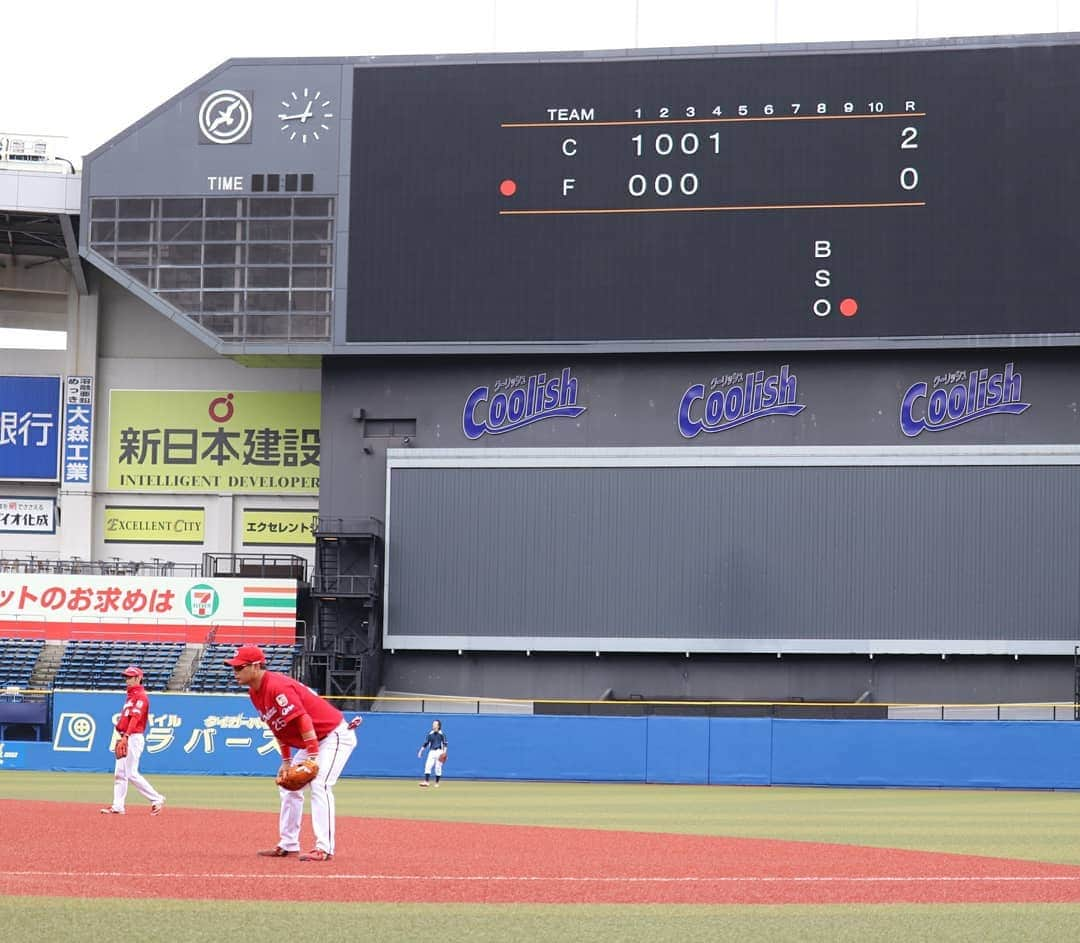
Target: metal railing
{"x": 453, "y": 704}
{"x": 261, "y": 565}
{"x": 348, "y": 526}
{"x": 404, "y": 703}
{"x": 111, "y": 567}
{"x": 324, "y": 584}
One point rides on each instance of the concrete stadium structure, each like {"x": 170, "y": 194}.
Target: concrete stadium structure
{"x": 715, "y": 373}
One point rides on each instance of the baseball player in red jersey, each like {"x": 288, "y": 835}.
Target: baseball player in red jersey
{"x": 300, "y": 720}
{"x": 131, "y": 726}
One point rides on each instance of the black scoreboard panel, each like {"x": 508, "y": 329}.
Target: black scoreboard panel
{"x": 843, "y": 198}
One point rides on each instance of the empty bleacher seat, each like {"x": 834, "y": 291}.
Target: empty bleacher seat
{"x": 95, "y": 664}
{"x": 214, "y": 675}
{"x": 17, "y": 660}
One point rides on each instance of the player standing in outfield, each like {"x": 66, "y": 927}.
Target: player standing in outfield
{"x": 301, "y": 720}
{"x": 129, "y": 748}
{"x": 435, "y": 743}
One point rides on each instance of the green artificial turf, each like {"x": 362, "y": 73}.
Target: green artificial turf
{"x": 37, "y": 920}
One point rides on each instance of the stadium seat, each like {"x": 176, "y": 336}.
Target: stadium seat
{"x": 213, "y": 674}
{"x": 94, "y": 664}
{"x": 17, "y": 660}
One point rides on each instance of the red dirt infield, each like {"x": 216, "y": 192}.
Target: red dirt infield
{"x": 70, "y": 850}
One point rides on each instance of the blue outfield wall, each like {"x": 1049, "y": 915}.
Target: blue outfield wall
{"x": 221, "y": 734}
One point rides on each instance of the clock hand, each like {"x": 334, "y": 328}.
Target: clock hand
{"x": 302, "y": 117}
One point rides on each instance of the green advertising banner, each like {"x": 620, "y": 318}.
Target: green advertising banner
{"x": 281, "y": 527}
{"x": 154, "y": 525}
{"x": 208, "y": 440}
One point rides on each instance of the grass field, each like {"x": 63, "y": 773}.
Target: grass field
{"x": 1034, "y": 826}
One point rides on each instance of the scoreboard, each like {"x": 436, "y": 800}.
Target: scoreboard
{"x": 868, "y": 197}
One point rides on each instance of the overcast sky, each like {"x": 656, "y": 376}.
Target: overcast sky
{"x": 85, "y": 71}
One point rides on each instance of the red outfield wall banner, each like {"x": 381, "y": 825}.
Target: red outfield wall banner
{"x": 147, "y": 608}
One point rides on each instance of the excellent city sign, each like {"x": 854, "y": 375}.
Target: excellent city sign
{"x": 154, "y": 525}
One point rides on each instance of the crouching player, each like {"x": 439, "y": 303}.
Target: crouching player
{"x": 300, "y": 720}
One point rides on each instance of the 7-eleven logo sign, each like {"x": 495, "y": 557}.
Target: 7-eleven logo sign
{"x": 202, "y": 601}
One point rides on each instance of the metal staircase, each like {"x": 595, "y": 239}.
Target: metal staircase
{"x": 344, "y": 656}
{"x": 1076, "y": 682}
{"x": 46, "y": 666}
{"x": 185, "y": 668}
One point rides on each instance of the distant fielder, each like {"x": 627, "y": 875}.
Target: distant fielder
{"x": 436, "y": 744}
{"x": 129, "y": 747}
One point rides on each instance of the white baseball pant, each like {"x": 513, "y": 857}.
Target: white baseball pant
{"x": 127, "y": 771}
{"x": 334, "y": 753}
{"x": 433, "y": 762}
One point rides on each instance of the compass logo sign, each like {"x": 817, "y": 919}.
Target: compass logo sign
{"x": 225, "y": 116}
{"x": 202, "y": 601}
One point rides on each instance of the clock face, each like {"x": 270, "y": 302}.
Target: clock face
{"x": 305, "y": 115}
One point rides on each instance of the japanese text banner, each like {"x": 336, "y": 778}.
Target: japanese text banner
{"x": 185, "y": 733}
{"x": 220, "y": 441}
{"x": 27, "y": 515}
{"x": 279, "y": 527}
{"x": 58, "y": 606}
{"x": 29, "y": 428}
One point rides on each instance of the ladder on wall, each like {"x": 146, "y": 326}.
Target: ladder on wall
{"x": 1076, "y": 682}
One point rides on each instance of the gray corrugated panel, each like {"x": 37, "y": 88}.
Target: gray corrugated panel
{"x": 832, "y": 553}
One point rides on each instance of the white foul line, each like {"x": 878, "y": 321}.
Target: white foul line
{"x": 322, "y": 875}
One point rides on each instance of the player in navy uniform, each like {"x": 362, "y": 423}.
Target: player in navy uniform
{"x": 435, "y": 743}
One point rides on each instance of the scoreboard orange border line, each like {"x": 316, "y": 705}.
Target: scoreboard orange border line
{"x": 641, "y": 121}
{"x": 712, "y": 209}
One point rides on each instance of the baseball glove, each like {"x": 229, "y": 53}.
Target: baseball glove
{"x": 298, "y": 776}
{"x": 442, "y": 757}
{"x": 121, "y": 748}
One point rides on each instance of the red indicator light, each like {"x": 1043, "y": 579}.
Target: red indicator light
{"x": 508, "y": 188}
{"x": 849, "y": 307}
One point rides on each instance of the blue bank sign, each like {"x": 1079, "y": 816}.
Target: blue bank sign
{"x": 29, "y": 428}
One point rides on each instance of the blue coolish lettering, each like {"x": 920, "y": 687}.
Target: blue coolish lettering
{"x": 541, "y": 398}
{"x": 983, "y": 394}
{"x": 517, "y": 405}
{"x": 497, "y": 412}
{"x": 726, "y": 407}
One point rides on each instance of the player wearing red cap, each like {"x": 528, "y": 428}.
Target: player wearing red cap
{"x": 301, "y": 720}
{"x": 129, "y": 748}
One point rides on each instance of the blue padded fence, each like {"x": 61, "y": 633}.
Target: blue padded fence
{"x": 220, "y": 734}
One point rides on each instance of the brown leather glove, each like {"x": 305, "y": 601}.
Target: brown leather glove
{"x": 299, "y": 775}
